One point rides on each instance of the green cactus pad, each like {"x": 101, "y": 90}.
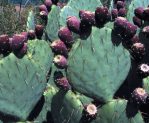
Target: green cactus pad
{"x": 96, "y": 67}
{"x": 30, "y": 21}
{"x": 53, "y": 23}
{"x": 66, "y": 108}
{"x": 118, "y": 111}
{"x": 48, "y": 95}
{"x": 74, "y": 6}
{"x": 146, "y": 84}
{"x": 22, "y": 81}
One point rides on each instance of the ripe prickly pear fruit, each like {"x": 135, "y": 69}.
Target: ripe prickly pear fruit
{"x": 17, "y": 42}
{"x": 43, "y": 8}
{"x": 22, "y": 51}
{"x": 4, "y": 44}
{"x": 128, "y": 43}
{"x": 59, "y": 47}
{"x": 31, "y": 34}
{"x": 55, "y": 1}
{"x": 25, "y": 35}
{"x": 138, "y": 51}
{"x": 120, "y": 4}
{"x": 143, "y": 70}
{"x": 44, "y": 15}
{"x": 145, "y": 31}
{"x": 139, "y": 12}
{"x": 48, "y": 4}
{"x": 137, "y": 21}
{"x": 139, "y": 96}
{"x": 122, "y": 12}
{"x": 114, "y": 13}
{"x": 61, "y": 81}
{"x": 135, "y": 39}
{"x": 85, "y": 30}
{"x": 87, "y": 17}
{"x": 119, "y": 25}
{"x": 73, "y": 23}
{"x": 146, "y": 14}
{"x": 130, "y": 30}
{"x": 65, "y": 35}
{"x": 39, "y": 31}
{"x": 60, "y": 62}
{"x": 61, "y": 4}
{"x": 101, "y": 15}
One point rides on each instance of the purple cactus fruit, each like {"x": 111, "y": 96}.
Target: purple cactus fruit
{"x": 120, "y": 4}
{"x": 143, "y": 70}
{"x": 146, "y": 14}
{"x": 25, "y": 34}
{"x": 65, "y": 35}
{"x": 138, "y": 51}
{"x": 59, "y": 47}
{"x": 145, "y": 31}
{"x": 31, "y": 35}
{"x": 129, "y": 42}
{"x": 114, "y": 13}
{"x": 43, "y": 8}
{"x": 139, "y": 96}
{"x": 135, "y": 39}
{"x": 130, "y": 30}
{"x": 60, "y": 61}
{"x": 119, "y": 25}
{"x": 87, "y": 17}
{"x": 101, "y": 15}
{"x": 61, "y": 81}
{"x": 139, "y": 12}
{"x": 4, "y": 44}
{"x": 137, "y": 21}
{"x": 48, "y": 4}
{"x": 61, "y": 4}
{"x": 73, "y": 23}
{"x": 55, "y": 2}
{"x": 44, "y": 15}
{"x": 39, "y": 31}
{"x": 122, "y": 12}
{"x": 17, "y": 42}
{"x": 20, "y": 53}
{"x": 85, "y": 30}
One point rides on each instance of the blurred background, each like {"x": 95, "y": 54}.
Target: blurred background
{"x": 13, "y": 15}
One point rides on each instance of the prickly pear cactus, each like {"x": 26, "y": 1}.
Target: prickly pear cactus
{"x": 24, "y": 80}
{"x": 101, "y": 64}
{"x": 48, "y": 94}
{"x": 30, "y": 21}
{"x": 66, "y": 107}
{"x": 134, "y": 4}
{"x": 119, "y": 111}
{"x": 73, "y": 7}
{"x": 53, "y": 23}
{"x": 90, "y": 66}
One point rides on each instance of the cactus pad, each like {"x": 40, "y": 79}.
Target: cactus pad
{"x": 118, "y": 111}
{"x": 22, "y": 81}
{"x": 96, "y": 67}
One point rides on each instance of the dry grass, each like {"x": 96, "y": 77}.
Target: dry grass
{"x": 12, "y": 19}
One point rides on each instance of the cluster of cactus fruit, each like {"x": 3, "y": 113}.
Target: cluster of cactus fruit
{"x": 83, "y": 62}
